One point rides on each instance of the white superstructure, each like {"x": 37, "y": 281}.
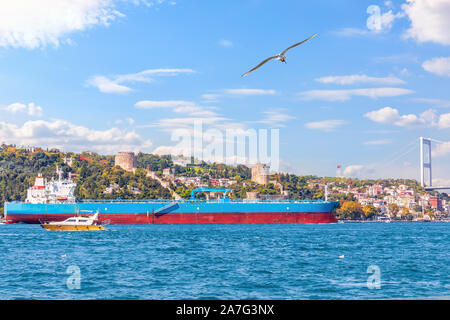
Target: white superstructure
{"x": 77, "y": 221}
{"x": 53, "y": 191}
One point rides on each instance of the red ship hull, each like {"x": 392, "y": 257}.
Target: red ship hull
{"x": 191, "y": 218}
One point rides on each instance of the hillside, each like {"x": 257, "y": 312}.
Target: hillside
{"x": 95, "y": 173}
{"x": 98, "y": 178}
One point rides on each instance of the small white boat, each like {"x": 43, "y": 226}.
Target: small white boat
{"x": 77, "y": 223}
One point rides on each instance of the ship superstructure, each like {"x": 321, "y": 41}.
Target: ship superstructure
{"x": 53, "y": 191}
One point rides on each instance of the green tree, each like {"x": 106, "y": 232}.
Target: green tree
{"x": 351, "y": 210}
{"x": 405, "y": 213}
{"x": 393, "y": 209}
{"x": 369, "y": 211}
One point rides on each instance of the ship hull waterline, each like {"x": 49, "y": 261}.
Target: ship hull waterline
{"x": 181, "y": 212}
{"x": 189, "y": 218}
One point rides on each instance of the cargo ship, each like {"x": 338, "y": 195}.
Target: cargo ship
{"x": 54, "y": 200}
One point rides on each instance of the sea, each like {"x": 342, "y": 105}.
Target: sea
{"x": 331, "y": 261}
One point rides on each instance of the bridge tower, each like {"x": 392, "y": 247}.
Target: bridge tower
{"x": 425, "y": 163}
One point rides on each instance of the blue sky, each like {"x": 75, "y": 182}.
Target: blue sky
{"x": 107, "y": 75}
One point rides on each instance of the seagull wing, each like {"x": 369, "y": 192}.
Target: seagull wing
{"x": 297, "y": 44}
{"x": 259, "y": 65}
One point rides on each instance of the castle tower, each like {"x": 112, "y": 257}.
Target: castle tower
{"x": 126, "y": 160}
{"x": 260, "y": 173}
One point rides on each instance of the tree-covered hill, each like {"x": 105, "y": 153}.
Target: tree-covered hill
{"x": 98, "y": 178}
{"x": 94, "y": 174}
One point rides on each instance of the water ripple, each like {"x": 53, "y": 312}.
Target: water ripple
{"x": 227, "y": 262}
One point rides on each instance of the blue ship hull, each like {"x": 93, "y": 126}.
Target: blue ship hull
{"x": 178, "y": 212}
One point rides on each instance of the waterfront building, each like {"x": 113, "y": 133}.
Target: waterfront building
{"x": 435, "y": 202}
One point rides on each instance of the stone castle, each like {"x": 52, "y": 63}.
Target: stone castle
{"x": 126, "y": 160}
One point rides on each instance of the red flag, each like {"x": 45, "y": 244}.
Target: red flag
{"x": 339, "y": 166}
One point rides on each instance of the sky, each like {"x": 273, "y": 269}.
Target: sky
{"x": 128, "y": 75}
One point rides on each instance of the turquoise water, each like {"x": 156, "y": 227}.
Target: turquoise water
{"x": 227, "y": 262}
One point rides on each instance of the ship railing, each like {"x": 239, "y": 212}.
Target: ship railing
{"x": 197, "y": 201}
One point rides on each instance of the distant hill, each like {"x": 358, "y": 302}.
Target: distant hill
{"x": 98, "y": 178}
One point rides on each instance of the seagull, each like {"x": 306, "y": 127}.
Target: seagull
{"x": 280, "y": 56}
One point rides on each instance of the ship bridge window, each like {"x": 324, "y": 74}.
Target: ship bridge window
{"x": 71, "y": 220}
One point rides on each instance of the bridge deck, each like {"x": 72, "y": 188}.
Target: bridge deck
{"x": 437, "y": 188}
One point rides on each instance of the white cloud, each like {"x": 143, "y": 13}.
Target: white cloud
{"x": 144, "y": 76}
{"x": 441, "y": 149}
{"x": 385, "y": 115}
{"x": 390, "y": 115}
{"x": 214, "y": 97}
{"x": 249, "y": 92}
{"x": 179, "y": 106}
{"x": 351, "y": 32}
{"x": 129, "y": 121}
{"x": 37, "y": 23}
{"x": 210, "y": 97}
{"x": 326, "y": 125}
{"x": 405, "y": 72}
{"x": 343, "y": 95}
{"x": 34, "y": 110}
{"x": 163, "y": 150}
{"x": 360, "y": 78}
{"x": 31, "y": 109}
{"x": 377, "y": 142}
{"x": 439, "y": 66}
{"x": 115, "y": 84}
{"x": 435, "y": 102}
{"x": 444, "y": 121}
{"x": 441, "y": 182}
{"x": 187, "y": 122}
{"x": 378, "y": 22}
{"x": 275, "y": 118}
{"x": 152, "y": 104}
{"x": 226, "y": 43}
{"x": 359, "y": 171}
{"x": 63, "y": 134}
{"x": 15, "y": 107}
{"x": 354, "y": 170}
{"x": 196, "y": 111}
{"x": 430, "y": 20}
{"x": 107, "y": 85}
{"x": 397, "y": 59}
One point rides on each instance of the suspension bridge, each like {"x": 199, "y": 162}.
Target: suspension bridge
{"x": 425, "y": 164}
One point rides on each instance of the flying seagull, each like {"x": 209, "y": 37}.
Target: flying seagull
{"x": 280, "y": 56}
